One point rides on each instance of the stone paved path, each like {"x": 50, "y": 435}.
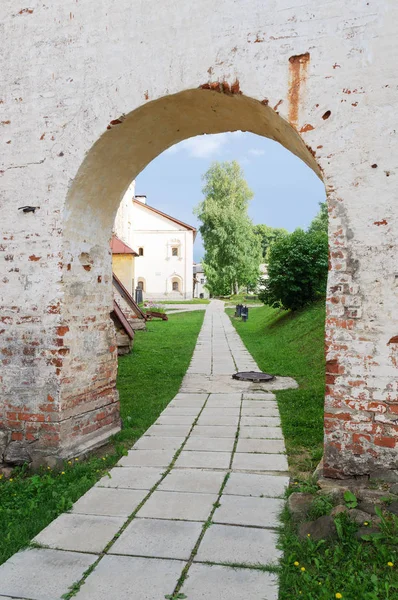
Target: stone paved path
{"x": 200, "y": 490}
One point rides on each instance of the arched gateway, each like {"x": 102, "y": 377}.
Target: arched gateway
{"x": 103, "y": 90}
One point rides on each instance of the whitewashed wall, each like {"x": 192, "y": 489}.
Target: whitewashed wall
{"x": 92, "y": 92}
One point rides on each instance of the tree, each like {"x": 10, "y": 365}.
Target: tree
{"x": 268, "y": 235}
{"x": 320, "y": 222}
{"x": 297, "y": 270}
{"x": 232, "y": 250}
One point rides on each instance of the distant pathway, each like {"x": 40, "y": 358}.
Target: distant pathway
{"x": 201, "y": 489}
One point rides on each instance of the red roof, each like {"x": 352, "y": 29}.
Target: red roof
{"x": 119, "y": 247}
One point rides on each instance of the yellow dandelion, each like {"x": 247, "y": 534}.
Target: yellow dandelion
{"x": 366, "y": 523}
{"x": 308, "y": 535}
{"x": 48, "y": 468}
{"x": 338, "y": 595}
{"x": 302, "y": 569}
{"x": 103, "y": 458}
{"x": 11, "y": 480}
{"x": 296, "y": 564}
{"x": 69, "y": 462}
{"x": 1, "y": 476}
{"x": 63, "y": 473}
{"x": 76, "y": 459}
{"x": 390, "y": 564}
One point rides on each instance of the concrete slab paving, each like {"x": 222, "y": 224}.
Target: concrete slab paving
{"x": 184, "y": 506}
{"x": 193, "y": 480}
{"x": 210, "y": 444}
{"x": 133, "y": 478}
{"x": 259, "y": 462}
{"x": 168, "y": 430}
{"x": 238, "y": 545}
{"x": 110, "y": 502}
{"x": 259, "y": 411}
{"x": 147, "y": 442}
{"x": 214, "y": 431}
{"x": 203, "y": 460}
{"x": 253, "y": 484}
{"x": 41, "y": 574}
{"x": 213, "y": 582}
{"x": 147, "y": 458}
{"x": 147, "y": 559}
{"x": 260, "y": 421}
{"x": 220, "y": 411}
{"x": 245, "y": 510}
{"x": 183, "y": 411}
{"x": 80, "y": 533}
{"x": 262, "y": 446}
{"x": 158, "y": 538}
{"x": 270, "y": 433}
{"x": 126, "y": 577}
{"x": 171, "y": 419}
{"x": 231, "y": 420}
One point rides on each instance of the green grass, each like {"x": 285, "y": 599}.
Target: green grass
{"x": 147, "y": 380}
{"x": 292, "y": 344}
{"x": 193, "y": 301}
{"x": 355, "y": 568}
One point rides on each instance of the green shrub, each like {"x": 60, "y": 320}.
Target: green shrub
{"x": 297, "y": 270}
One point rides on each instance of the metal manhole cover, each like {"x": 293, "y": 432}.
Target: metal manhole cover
{"x": 256, "y": 377}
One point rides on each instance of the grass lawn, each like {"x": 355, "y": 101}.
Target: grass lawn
{"x": 348, "y": 568}
{"x": 284, "y": 343}
{"x": 148, "y": 379}
{"x": 193, "y": 301}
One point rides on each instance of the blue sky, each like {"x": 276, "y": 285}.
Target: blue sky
{"x": 286, "y": 191}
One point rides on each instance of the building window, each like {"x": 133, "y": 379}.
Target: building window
{"x": 202, "y": 281}
{"x": 141, "y": 285}
{"x": 174, "y": 251}
{"x": 175, "y": 286}
{"x": 140, "y": 251}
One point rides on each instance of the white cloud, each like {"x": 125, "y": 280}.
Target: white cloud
{"x": 204, "y": 146}
{"x": 256, "y": 152}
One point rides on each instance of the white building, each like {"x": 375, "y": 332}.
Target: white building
{"x": 164, "y": 265}
{"x": 199, "y": 282}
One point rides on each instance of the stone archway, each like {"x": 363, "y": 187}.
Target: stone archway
{"x": 81, "y": 129}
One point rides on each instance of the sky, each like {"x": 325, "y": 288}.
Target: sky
{"x": 286, "y": 192}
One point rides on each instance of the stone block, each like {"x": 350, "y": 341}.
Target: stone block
{"x": 238, "y": 545}
{"x": 269, "y": 433}
{"x": 135, "y": 478}
{"x": 168, "y": 430}
{"x": 203, "y": 460}
{"x": 259, "y": 462}
{"x": 80, "y": 533}
{"x": 323, "y": 528}
{"x": 127, "y": 577}
{"x": 42, "y": 574}
{"x": 176, "y": 505}
{"x": 225, "y": 583}
{"x": 110, "y": 502}
{"x": 210, "y": 444}
{"x": 158, "y": 538}
{"x": 17, "y": 453}
{"x": 261, "y": 446}
{"x": 299, "y": 505}
{"x": 251, "y": 484}
{"x": 147, "y": 458}
{"x": 193, "y": 480}
{"x": 214, "y": 432}
{"x": 243, "y": 510}
{"x": 147, "y": 442}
